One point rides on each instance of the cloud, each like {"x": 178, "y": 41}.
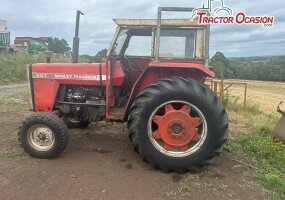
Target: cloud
{"x": 56, "y": 18}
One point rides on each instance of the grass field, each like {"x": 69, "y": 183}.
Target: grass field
{"x": 13, "y": 66}
{"x": 265, "y": 95}
{"x": 251, "y": 131}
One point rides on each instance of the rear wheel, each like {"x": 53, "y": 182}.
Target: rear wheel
{"x": 178, "y": 125}
{"x": 43, "y": 135}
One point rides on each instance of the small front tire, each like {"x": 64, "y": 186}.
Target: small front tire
{"x": 43, "y": 135}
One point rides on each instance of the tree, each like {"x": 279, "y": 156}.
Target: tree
{"x": 57, "y": 45}
{"x": 97, "y": 58}
{"x": 100, "y": 54}
{"x": 220, "y": 62}
{"x": 265, "y": 68}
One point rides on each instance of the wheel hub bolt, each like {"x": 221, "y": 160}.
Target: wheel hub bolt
{"x": 176, "y": 129}
{"x": 42, "y": 136}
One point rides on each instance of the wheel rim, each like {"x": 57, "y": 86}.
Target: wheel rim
{"x": 177, "y": 128}
{"x": 41, "y": 138}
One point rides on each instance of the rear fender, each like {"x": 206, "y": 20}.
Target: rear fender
{"x": 158, "y": 71}
{"x": 192, "y": 66}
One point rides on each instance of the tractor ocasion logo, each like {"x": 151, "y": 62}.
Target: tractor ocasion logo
{"x": 225, "y": 15}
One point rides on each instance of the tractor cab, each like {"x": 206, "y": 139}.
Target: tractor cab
{"x": 143, "y": 45}
{"x": 179, "y": 40}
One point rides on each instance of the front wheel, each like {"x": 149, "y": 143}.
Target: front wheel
{"x": 178, "y": 125}
{"x": 43, "y": 135}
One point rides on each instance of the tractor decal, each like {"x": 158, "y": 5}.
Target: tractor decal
{"x": 68, "y": 76}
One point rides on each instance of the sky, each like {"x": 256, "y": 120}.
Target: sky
{"x": 56, "y": 18}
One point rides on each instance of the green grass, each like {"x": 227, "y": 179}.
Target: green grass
{"x": 10, "y": 154}
{"x": 211, "y": 187}
{"x": 266, "y": 152}
{"x": 181, "y": 191}
{"x": 15, "y": 102}
{"x": 269, "y": 153}
{"x": 13, "y": 66}
{"x": 190, "y": 185}
{"x": 222, "y": 187}
{"x": 238, "y": 107}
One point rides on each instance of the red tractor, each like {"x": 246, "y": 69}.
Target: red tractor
{"x": 152, "y": 78}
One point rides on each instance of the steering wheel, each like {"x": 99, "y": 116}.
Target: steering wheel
{"x": 128, "y": 64}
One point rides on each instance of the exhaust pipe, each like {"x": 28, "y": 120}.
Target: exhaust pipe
{"x": 75, "y": 47}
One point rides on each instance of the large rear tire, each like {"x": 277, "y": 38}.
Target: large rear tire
{"x": 43, "y": 135}
{"x": 178, "y": 125}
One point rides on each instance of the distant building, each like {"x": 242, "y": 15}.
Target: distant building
{"x": 3, "y": 25}
{"x": 22, "y": 42}
{"x": 4, "y": 35}
{"x": 30, "y": 44}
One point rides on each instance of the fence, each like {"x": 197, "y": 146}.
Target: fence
{"x": 221, "y": 86}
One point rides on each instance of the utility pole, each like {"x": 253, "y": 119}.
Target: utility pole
{"x": 75, "y": 47}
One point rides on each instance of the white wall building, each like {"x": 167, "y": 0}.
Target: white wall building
{"x": 4, "y": 35}
{"x": 3, "y": 25}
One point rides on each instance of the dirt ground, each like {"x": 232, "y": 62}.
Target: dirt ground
{"x": 99, "y": 163}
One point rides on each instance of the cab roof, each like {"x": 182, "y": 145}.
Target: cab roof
{"x": 153, "y": 22}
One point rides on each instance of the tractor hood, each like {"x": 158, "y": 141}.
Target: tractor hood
{"x": 45, "y": 79}
{"x": 69, "y": 71}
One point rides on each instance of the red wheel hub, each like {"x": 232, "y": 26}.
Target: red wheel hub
{"x": 176, "y": 128}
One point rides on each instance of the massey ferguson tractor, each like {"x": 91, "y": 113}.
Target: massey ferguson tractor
{"x": 152, "y": 78}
